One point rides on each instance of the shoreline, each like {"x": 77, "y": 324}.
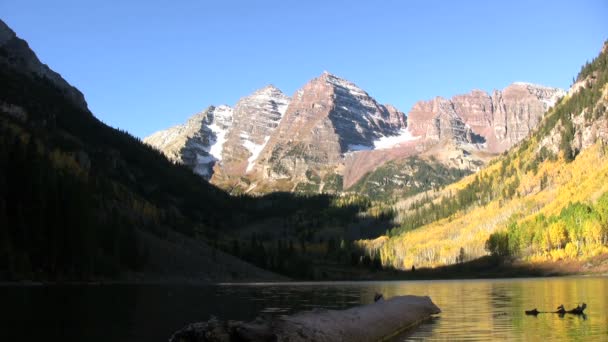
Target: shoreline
{"x": 290, "y": 282}
{"x": 482, "y": 268}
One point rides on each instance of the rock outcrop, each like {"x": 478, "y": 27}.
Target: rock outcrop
{"x": 495, "y": 122}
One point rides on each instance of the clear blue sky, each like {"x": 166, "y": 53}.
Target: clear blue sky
{"x": 147, "y": 65}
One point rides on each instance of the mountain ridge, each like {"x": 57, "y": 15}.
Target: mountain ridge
{"x": 303, "y": 152}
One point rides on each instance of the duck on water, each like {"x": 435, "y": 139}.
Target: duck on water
{"x": 579, "y": 310}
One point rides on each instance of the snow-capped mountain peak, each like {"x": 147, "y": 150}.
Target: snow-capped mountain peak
{"x": 197, "y": 143}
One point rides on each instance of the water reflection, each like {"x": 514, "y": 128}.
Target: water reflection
{"x": 471, "y": 310}
{"x": 498, "y": 310}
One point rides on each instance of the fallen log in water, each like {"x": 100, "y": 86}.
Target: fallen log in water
{"x": 373, "y": 322}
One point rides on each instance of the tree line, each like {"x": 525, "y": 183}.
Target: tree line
{"x": 580, "y": 230}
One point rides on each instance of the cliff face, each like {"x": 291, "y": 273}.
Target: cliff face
{"x": 199, "y": 142}
{"x": 495, "y": 122}
{"x": 222, "y": 142}
{"x": 462, "y": 132}
{"x": 255, "y": 119}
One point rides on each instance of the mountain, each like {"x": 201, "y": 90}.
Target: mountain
{"x": 327, "y": 118}
{"x": 497, "y": 121}
{"x": 347, "y": 117}
{"x": 544, "y": 201}
{"x": 233, "y": 136}
{"x": 199, "y": 142}
{"x": 256, "y": 117}
{"x": 452, "y": 137}
{"x": 332, "y": 136}
{"x": 80, "y": 200}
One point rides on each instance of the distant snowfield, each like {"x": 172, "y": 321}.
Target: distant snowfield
{"x": 217, "y": 144}
{"x": 391, "y": 141}
{"x": 385, "y": 142}
{"x": 253, "y": 148}
{"x": 221, "y": 113}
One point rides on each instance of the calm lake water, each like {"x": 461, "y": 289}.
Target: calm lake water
{"x": 471, "y": 309}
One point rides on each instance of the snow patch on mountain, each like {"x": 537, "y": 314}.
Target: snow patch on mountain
{"x": 547, "y": 95}
{"x": 199, "y": 142}
{"x": 273, "y": 96}
{"x": 254, "y": 149}
{"x": 391, "y": 141}
{"x": 385, "y": 142}
{"x": 222, "y": 115}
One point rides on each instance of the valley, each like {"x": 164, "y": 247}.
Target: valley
{"x": 544, "y": 200}
{"x": 325, "y": 184}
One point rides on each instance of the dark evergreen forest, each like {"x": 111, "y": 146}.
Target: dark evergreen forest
{"x": 74, "y": 192}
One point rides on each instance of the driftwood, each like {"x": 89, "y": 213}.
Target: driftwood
{"x": 579, "y": 310}
{"x": 378, "y": 321}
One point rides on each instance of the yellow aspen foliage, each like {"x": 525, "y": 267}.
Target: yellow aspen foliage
{"x": 558, "y": 235}
{"x": 583, "y": 180}
{"x": 592, "y": 230}
{"x": 558, "y": 254}
{"x": 571, "y": 250}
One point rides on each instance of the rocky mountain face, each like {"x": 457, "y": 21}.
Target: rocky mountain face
{"x": 199, "y": 142}
{"x": 327, "y": 118}
{"x": 255, "y": 119}
{"x": 496, "y": 121}
{"x": 462, "y": 133}
{"x": 331, "y": 134}
{"x": 577, "y": 130}
{"x": 224, "y": 142}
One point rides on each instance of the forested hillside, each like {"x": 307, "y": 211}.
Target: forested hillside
{"x": 74, "y": 190}
{"x": 406, "y": 177}
{"x": 76, "y": 197}
{"x": 82, "y": 200}
{"x": 543, "y": 200}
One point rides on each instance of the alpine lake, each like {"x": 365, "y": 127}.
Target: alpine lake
{"x": 472, "y": 310}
